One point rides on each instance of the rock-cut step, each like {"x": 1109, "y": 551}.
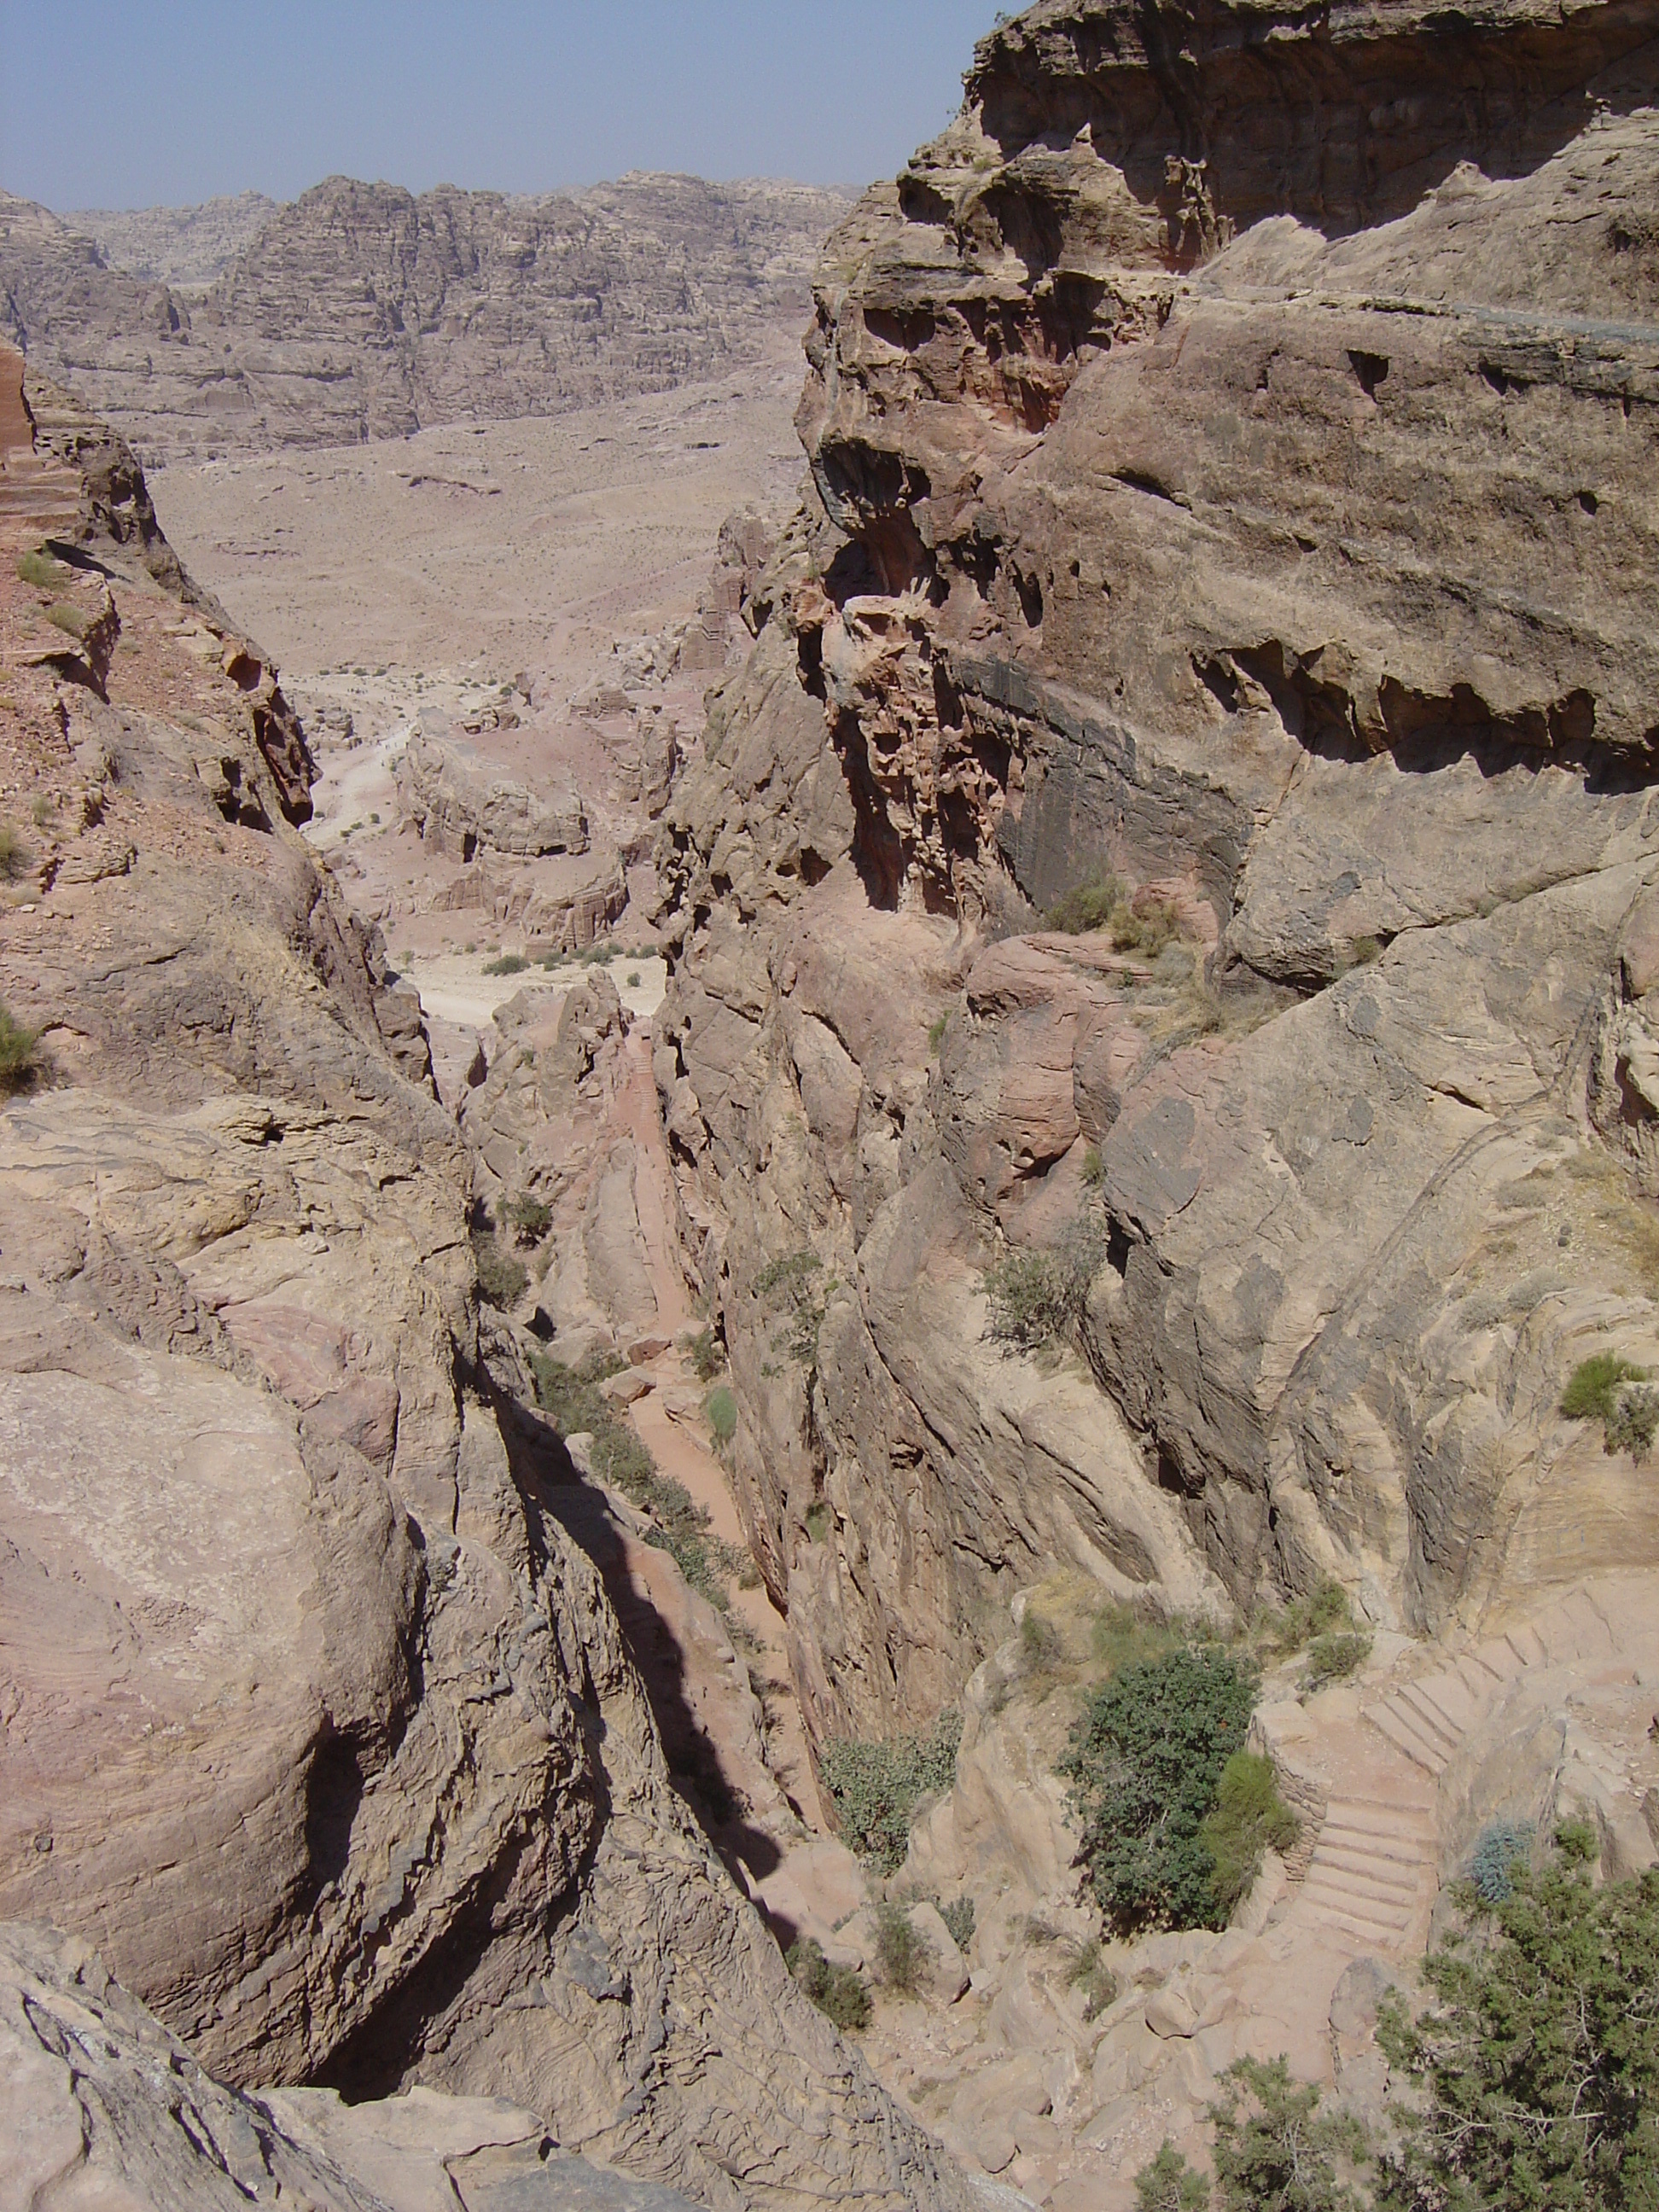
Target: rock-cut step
{"x": 1372, "y": 1871}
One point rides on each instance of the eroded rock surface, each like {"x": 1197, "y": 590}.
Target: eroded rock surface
{"x": 1257, "y": 511}
{"x": 313, "y": 1718}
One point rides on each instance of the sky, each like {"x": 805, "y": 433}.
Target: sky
{"x": 167, "y": 103}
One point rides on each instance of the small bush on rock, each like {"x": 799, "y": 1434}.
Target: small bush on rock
{"x": 14, "y": 855}
{"x": 838, "y": 1993}
{"x": 1037, "y": 1296}
{"x": 20, "y": 1054}
{"x": 530, "y": 1216}
{"x": 510, "y": 964}
{"x": 1334, "y": 1658}
{"x": 40, "y": 569}
{"x": 878, "y": 1787}
{"x": 958, "y": 1917}
{"x": 502, "y": 1279}
{"x": 1090, "y": 1973}
{"x": 900, "y": 1949}
{"x": 1501, "y": 1852}
{"x": 1170, "y": 2184}
{"x": 703, "y": 1352}
{"x": 70, "y": 619}
{"x": 722, "y": 1411}
{"x": 1249, "y": 1818}
{"x": 1601, "y": 1390}
{"x": 1146, "y": 1762}
{"x": 1091, "y": 906}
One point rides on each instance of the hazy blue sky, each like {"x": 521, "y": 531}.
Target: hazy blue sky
{"x": 136, "y": 102}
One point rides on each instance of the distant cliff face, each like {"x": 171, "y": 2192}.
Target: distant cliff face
{"x": 363, "y": 312}
{"x": 1231, "y": 450}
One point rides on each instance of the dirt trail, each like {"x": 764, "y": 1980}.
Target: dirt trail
{"x": 670, "y": 1423}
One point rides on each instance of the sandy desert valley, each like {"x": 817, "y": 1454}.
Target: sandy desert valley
{"x": 830, "y": 1159}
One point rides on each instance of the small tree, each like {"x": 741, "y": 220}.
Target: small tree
{"x": 1146, "y": 1762}
{"x": 1539, "y": 2060}
{"x": 1170, "y": 2184}
{"x": 1275, "y": 2151}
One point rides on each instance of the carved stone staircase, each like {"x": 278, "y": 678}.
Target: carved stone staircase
{"x": 1373, "y": 1873}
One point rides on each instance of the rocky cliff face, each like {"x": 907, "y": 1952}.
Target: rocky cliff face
{"x": 1230, "y": 452}
{"x": 361, "y": 311}
{"x": 311, "y": 1715}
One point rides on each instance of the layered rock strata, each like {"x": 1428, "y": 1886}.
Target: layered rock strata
{"x": 1229, "y": 450}
{"x": 361, "y": 311}
{"x": 313, "y": 1718}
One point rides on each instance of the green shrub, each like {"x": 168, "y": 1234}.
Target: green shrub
{"x": 1090, "y": 906}
{"x": 877, "y": 1788}
{"x": 1094, "y": 1168}
{"x": 1635, "y": 1424}
{"x": 1275, "y": 2151}
{"x": 1090, "y": 1973}
{"x": 936, "y": 1032}
{"x": 1036, "y": 1296}
{"x": 1334, "y": 1658}
{"x": 42, "y": 810}
{"x": 70, "y": 619}
{"x": 959, "y": 1916}
{"x": 1148, "y": 929}
{"x": 1601, "y": 1389}
{"x": 838, "y": 1993}
{"x": 40, "y": 569}
{"x": 1039, "y": 1641}
{"x": 1498, "y": 1854}
{"x": 1249, "y": 1818}
{"x": 819, "y": 1522}
{"x": 510, "y": 964}
{"x": 20, "y": 1054}
{"x": 1122, "y": 1639}
{"x": 703, "y": 1350}
{"x": 1536, "y": 2064}
{"x": 14, "y": 855}
{"x": 502, "y": 1278}
{"x": 792, "y": 1288}
{"x": 901, "y": 1948}
{"x": 1593, "y": 1393}
{"x": 633, "y": 979}
{"x": 573, "y": 1401}
{"x": 1323, "y": 1612}
{"x": 1145, "y": 1762}
{"x": 721, "y": 1408}
{"x": 1170, "y": 2184}
{"x": 530, "y": 1216}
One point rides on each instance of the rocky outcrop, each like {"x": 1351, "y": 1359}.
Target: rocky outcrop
{"x": 314, "y": 1719}
{"x": 461, "y": 809}
{"x": 361, "y": 311}
{"x": 1252, "y": 511}
{"x": 103, "y": 2105}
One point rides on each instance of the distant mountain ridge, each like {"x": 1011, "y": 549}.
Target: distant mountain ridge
{"x": 186, "y": 247}
{"x": 363, "y": 311}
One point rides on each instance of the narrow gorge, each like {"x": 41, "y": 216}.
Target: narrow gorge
{"x": 619, "y": 1215}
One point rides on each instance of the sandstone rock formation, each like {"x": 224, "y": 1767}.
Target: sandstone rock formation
{"x": 102, "y": 2105}
{"x": 314, "y": 1719}
{"x": 1228, "y": 449}
{"x": 461, "y": 810}
{"x": 363, "y": 312}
